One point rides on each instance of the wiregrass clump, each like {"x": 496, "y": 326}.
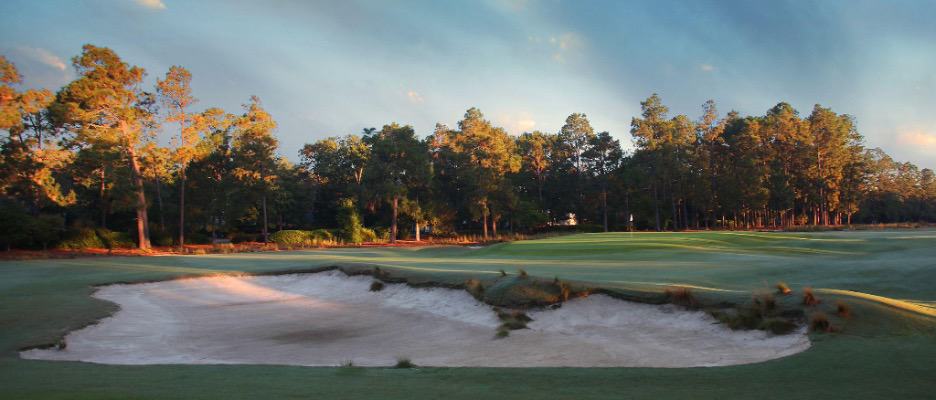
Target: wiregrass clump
{"x": 376, "y": 286}
{"x": 842, "y": 309}
{"x": 819, "y": 322}
{"x": 682, "y": 296}
{"x": 475, "y": 288}
{"x": 762, "y": 313}
{"x": 783, "y": 289}
{"x": 513, "y": 319}
{"x": 809, "y": 298}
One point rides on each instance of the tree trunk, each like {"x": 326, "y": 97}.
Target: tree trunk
{"x": 417, "y": 229}
{"x": 656, "y": 207}
{"x": 142, "y": 218}
{"x": 494, "y": 226}
{"x": 182, "y": 208}
{"x": 266, "y": 233}
{"x": 673, "y": 209}
{"x": 104, "y": 207}
{"x": 393, "y": 220}
{"x": 484, "y": 216}
{"x": 159, "y": 203}
{"x": 604, "y": 208}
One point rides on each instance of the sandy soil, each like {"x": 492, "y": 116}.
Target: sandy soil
{"x": 329, "y": 319}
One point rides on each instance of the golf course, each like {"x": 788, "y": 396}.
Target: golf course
{"x": 882, "y": 347}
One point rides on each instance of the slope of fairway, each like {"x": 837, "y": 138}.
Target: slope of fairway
{"x": 885, "y": 349}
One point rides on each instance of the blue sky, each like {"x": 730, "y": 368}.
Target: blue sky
{"x": 328, "y": 68}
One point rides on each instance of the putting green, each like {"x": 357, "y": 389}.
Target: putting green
{"x": 886, "y": 349}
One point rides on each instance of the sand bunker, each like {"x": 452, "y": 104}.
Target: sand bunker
{"x": 329, "y": 319}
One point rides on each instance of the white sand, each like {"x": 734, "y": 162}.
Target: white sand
{"x": 328, "y": 319}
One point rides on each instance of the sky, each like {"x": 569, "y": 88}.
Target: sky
{"x": 331, "y": 68}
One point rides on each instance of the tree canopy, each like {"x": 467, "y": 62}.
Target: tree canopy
{"x": 89, "y": 156}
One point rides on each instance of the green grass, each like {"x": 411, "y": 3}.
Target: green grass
{"x": 885, "y": 348}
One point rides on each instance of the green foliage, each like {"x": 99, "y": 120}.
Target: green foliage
{"x": 100, "y": 238}
{"x": 19, "y": 229}
{"x": 298, "y": 238}
{"x": 12, "y": 219}
{"x": 290, "y": 238}
{"x": 114, "y": 240}
{"x": 161, "y": 238}
{"x": 404, "y": 363}
{"x": 368, "y": 235}
{"x": 80, "y": 239}
{"x": 46, "y": 229}
{"x": 349, "y": 222}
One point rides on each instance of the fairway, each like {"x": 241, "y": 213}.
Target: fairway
{"x": 885, "y": 350}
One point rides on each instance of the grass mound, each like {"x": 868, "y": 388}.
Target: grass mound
{"x": 522, "y": 292}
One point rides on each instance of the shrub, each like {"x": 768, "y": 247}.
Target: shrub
{"x": 162, "y": 238}
{"x": 236, "y": 237}
{"x": 197, "y": 238}
{"x": 376, "y": 286}
{"x": 46, "y": 229}
{"x": 382, "y": 233}
{"x": 80, "y": 239}
{"x": 290, "y": 238}
{"x": 368, "y": 235}
{"x": 320, "y": 235}
{"x": 114, "y": 240}
{"x": 404, "y": 363}
{"x": 12, "y": 219}
{"x": 349, "y": 221}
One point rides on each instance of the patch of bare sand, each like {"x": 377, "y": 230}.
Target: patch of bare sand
{"x": 329, "y": 319}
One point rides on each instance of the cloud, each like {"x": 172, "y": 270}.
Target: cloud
{"x": 414, "y": 97}
{"x": 563, "y": 44}
{"x": 917, "y": 139}
{"x": 516, "y": 123}
{"x": 43, "y": 56}
{"x": 152, "y": 4}
{"x": 515, "y": 5}
{"x": 706, "y": 67}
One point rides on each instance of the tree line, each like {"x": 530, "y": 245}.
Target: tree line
{"x": 88, "y": 156}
